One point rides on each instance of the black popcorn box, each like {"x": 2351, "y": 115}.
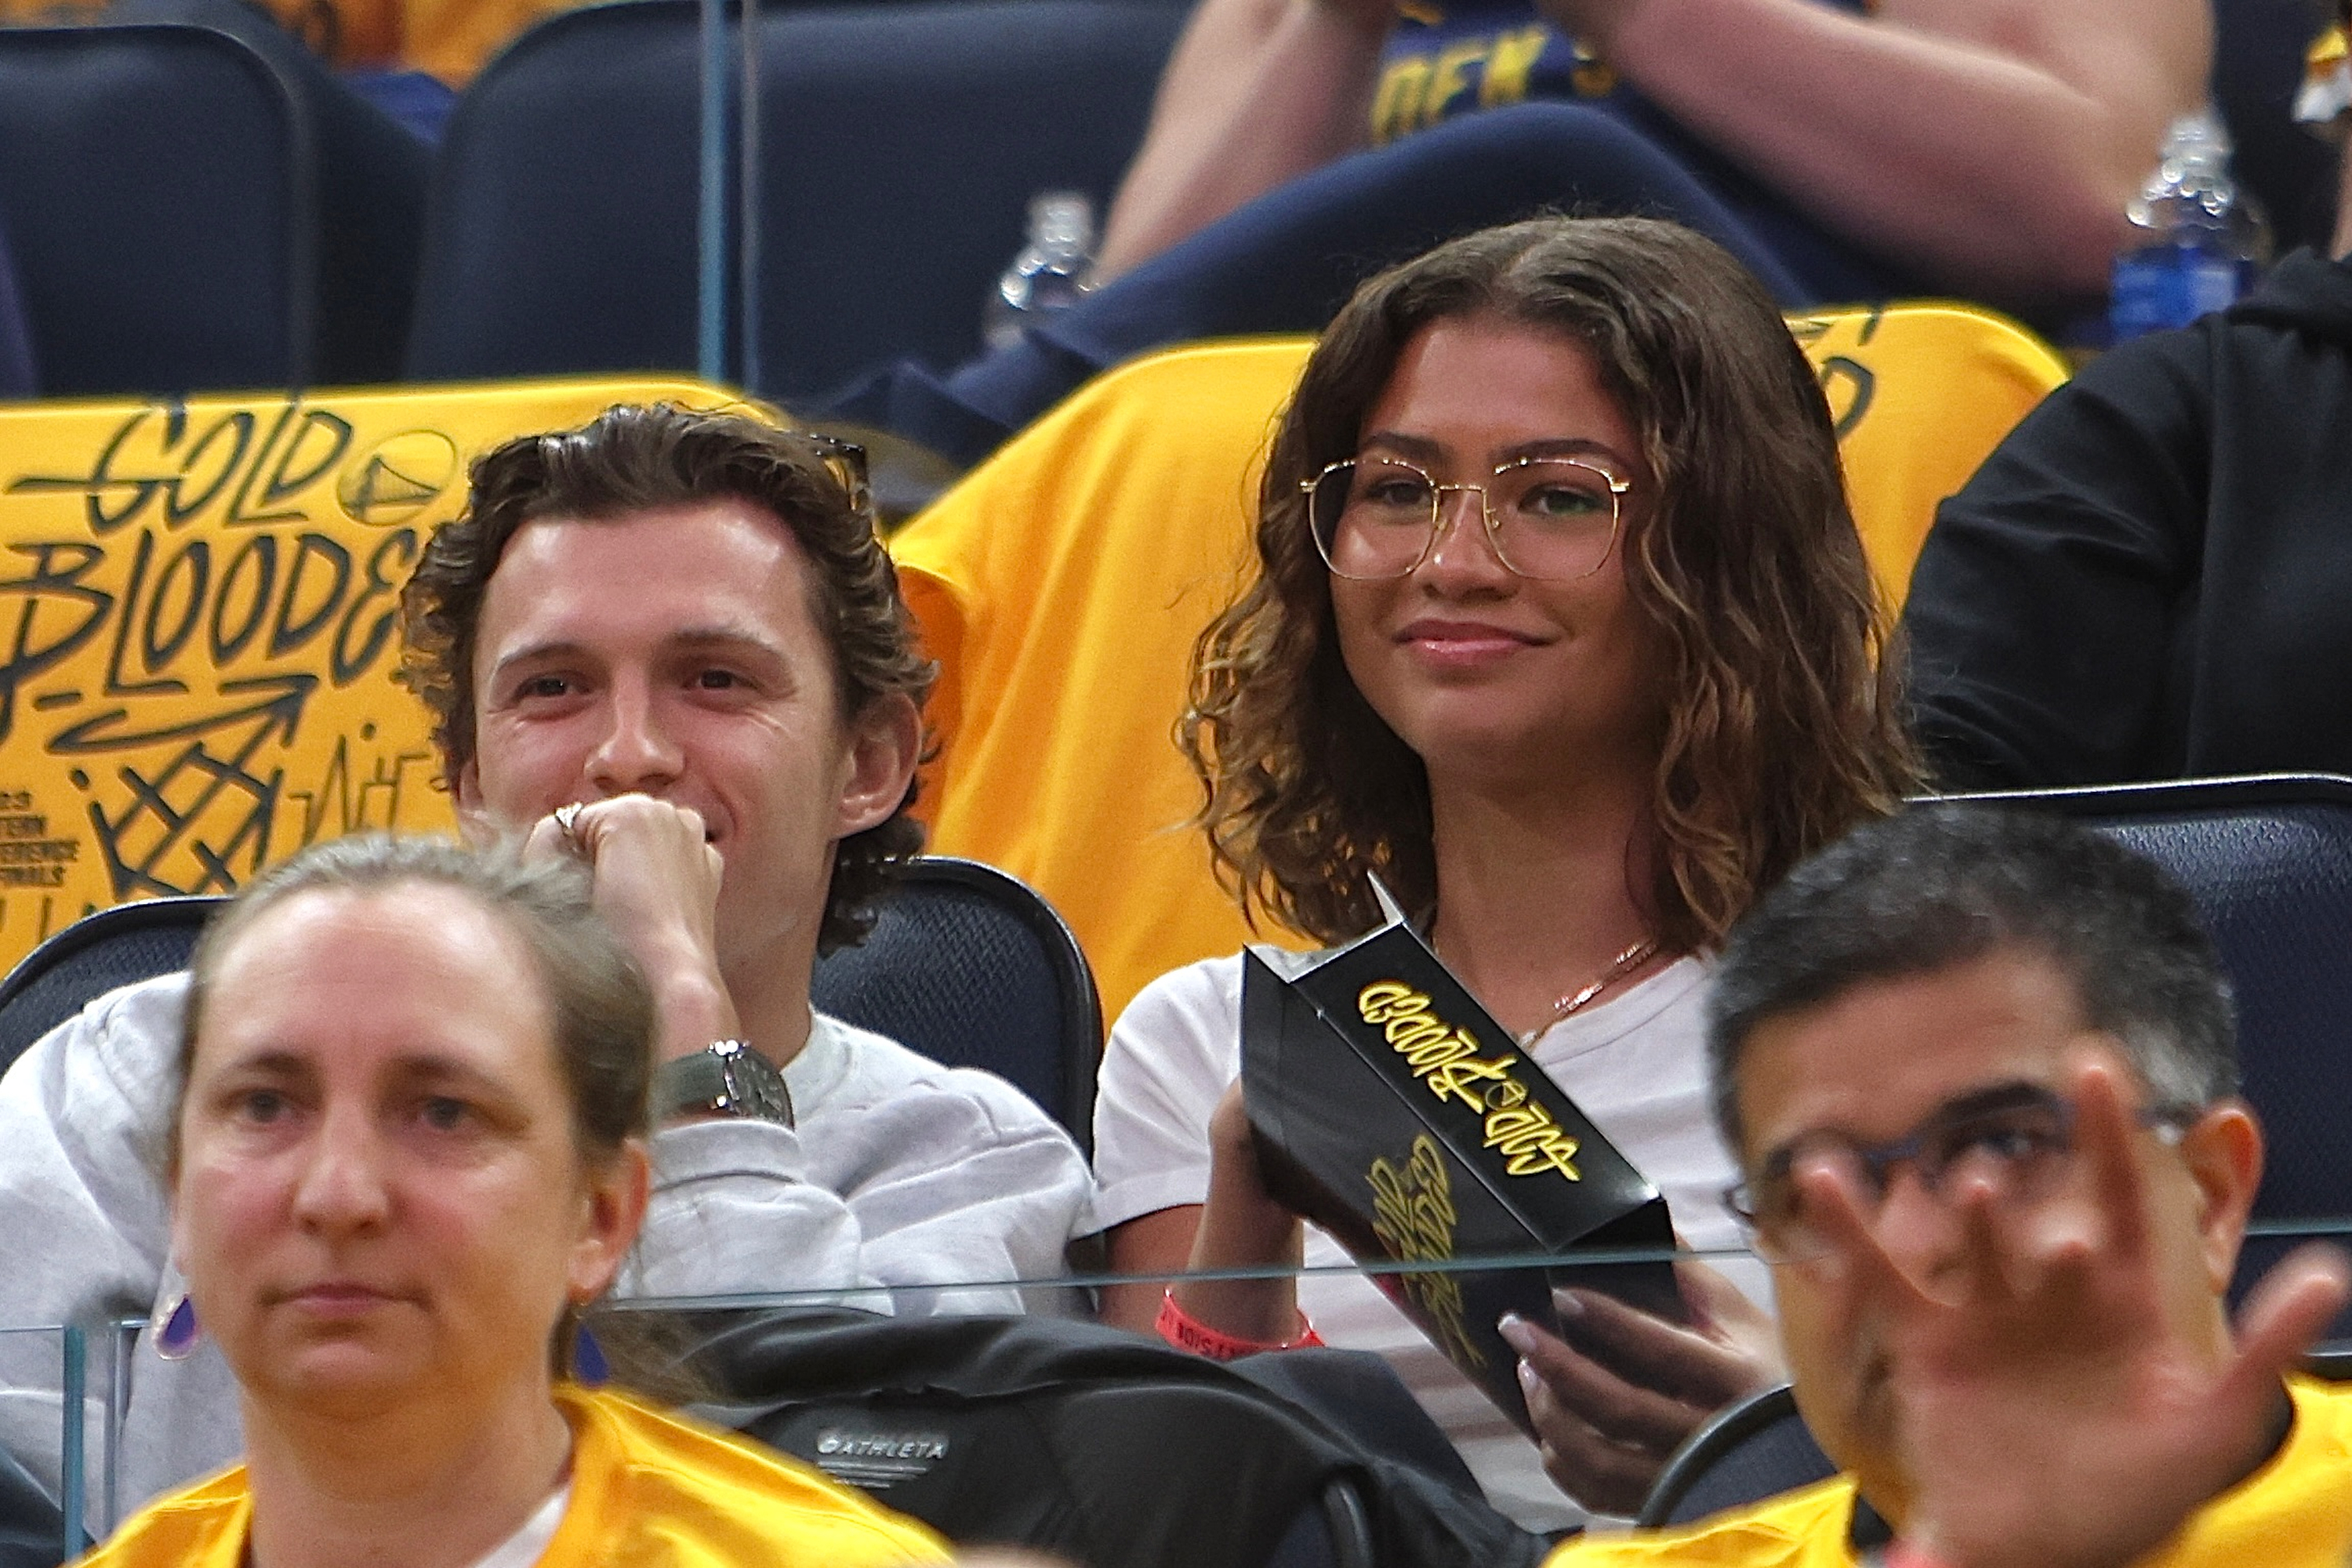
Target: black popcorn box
{"x": 1391, "y": 1109}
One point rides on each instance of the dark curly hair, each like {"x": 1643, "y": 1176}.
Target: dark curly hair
{"x": 639, "y": 458}
{"x": 1781, "y": 727}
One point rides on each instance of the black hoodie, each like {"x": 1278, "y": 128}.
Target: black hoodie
{"x": 2152, "y": 576}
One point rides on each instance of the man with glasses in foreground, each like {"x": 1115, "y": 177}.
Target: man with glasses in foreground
{"x": 1978, "y": 1071}
{"x": 669, "y": 644}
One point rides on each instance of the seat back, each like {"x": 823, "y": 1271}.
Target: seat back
{"x": 972, "y": 968}
{"x": 560, "y": 233}
{"x": 1750, "y": 1451}
{"x": 96, "y": 954}
{"x": 367, "y": 175}
{"x": 965, "y": 964}
{"x": 18, "y": 377}
{"x": 155, "y": 185}
{"x": 2268, "y": 860}
{"x": 899, "y": 146}
{"x": 1062, "y": 583}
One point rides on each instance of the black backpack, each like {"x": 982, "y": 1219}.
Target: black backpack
{"x": 1101, "y": 1446}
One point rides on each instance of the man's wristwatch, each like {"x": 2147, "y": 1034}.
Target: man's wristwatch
{"x": 727, "y": 1079}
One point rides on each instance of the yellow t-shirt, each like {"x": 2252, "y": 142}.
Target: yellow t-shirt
{"x": 648, "y": 1490}
{"x": 2294, "y": 1512}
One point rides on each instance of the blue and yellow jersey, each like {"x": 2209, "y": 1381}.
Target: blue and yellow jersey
{"x": 1447, "y": 59}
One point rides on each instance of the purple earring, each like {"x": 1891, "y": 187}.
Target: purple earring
{"x": 589, "y": 1367}
{"x": 174, "y": 1328}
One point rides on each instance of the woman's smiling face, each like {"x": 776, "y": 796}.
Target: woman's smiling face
{"x": 1479, "y": 669}
{"x": 379, "y": 1194}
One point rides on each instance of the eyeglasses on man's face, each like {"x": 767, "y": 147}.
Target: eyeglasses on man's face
{"x": 2018, "y": 1138}
{"x": 1551, "y": 518}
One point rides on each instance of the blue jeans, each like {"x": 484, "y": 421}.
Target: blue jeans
{"x": 1288, "y": 261}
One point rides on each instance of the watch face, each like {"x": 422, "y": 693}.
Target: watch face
{"x": 754, "y": 1086}
{"x": 728, "y": 1079}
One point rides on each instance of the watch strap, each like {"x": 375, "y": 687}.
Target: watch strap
{"x": 727, "y": 1077}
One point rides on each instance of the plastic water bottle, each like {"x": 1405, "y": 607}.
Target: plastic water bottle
{"x": 2199, "y": 238}
{"x": 1050, "y": 273}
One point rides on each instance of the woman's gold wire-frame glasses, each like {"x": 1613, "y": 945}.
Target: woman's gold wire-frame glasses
{"x": 1324, "y": 535}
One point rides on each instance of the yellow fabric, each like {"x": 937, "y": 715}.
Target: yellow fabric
{"x": 648, "y": 1490}
{"x": 1921, "y": 394}
{"x": 196, "y": 604}
{"x": 1061, "y": 586}
{"x": 1062, "y": 583}
{"x": 2327, "y": 52}
{"x": 2294, "y": 1512}
{"x": 452, "y": 39}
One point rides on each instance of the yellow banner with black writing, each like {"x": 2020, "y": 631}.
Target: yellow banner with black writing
{"x": 198, "y": 627}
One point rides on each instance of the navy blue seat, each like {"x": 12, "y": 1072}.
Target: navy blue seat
{"x": 560, "y": 236}
{"x": 900, "y": 146}
{"x": 972, "y": 968}
{"x": 1750, "y": 1451}
{"x": 367, "y": 172}
{"x": 154, "y": 181}
{"x": 965, "y": 964}
{"x": 2269, "y": 861}
{"x": 96, "y": 954}
{"x": 17, "y": 378}
{"x": 195, "y": 203}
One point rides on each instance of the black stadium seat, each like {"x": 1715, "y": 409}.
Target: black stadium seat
{"x": 900, "y": 145}
{"x": 970, "y": 967}
{"x": 965, "y": 964}
{"x": 196, "y": 203}
{"x": 154, "y": 184}
{"x": 2269, "y": 860}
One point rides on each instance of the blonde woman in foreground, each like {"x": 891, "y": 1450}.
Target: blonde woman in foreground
{"x": 409, "y": 1149}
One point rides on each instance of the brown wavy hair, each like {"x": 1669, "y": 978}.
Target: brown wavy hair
{"x": 1782, "y": 725}
{"x": 637, "y": 458}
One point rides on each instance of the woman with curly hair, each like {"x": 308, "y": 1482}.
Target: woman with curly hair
{"x": 1563, "y": 631}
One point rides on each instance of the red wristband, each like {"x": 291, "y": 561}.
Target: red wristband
{"x": 1904, "y": 1554}
{"x": 1187, "y": 1332}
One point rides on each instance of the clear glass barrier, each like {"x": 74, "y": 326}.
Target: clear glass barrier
{"x": 48, "y": 1386}
{"x": 1348, "y": 1313}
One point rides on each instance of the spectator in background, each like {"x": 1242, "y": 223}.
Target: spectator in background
{"x": 1979, "y": 1070}
{"x": 1842, "y": 150}
{"x": 1577, "y": 719}
{"x": 406, "y": 1150}
{"x": 668, "y": 644}
{"x": 1982, "y": 147}
{"x": 2152, "y": 576}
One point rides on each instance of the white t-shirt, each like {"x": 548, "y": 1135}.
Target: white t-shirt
{"x": 1635, "y": 1065}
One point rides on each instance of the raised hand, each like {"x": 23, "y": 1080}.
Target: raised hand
{"x": 2064, "y": 1393}
{"x": 1612, "y": 1408}
{"x": 657, "y": 884}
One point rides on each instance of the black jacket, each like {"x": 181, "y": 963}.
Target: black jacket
{"x": 1109, "y": 1450}
{"x": 2152, "y": 576}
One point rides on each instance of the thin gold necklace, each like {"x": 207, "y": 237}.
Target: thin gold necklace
{"x": 1625, "y": 963}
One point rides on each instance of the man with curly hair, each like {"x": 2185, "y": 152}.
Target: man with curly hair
{"x": 668, "y": 643}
